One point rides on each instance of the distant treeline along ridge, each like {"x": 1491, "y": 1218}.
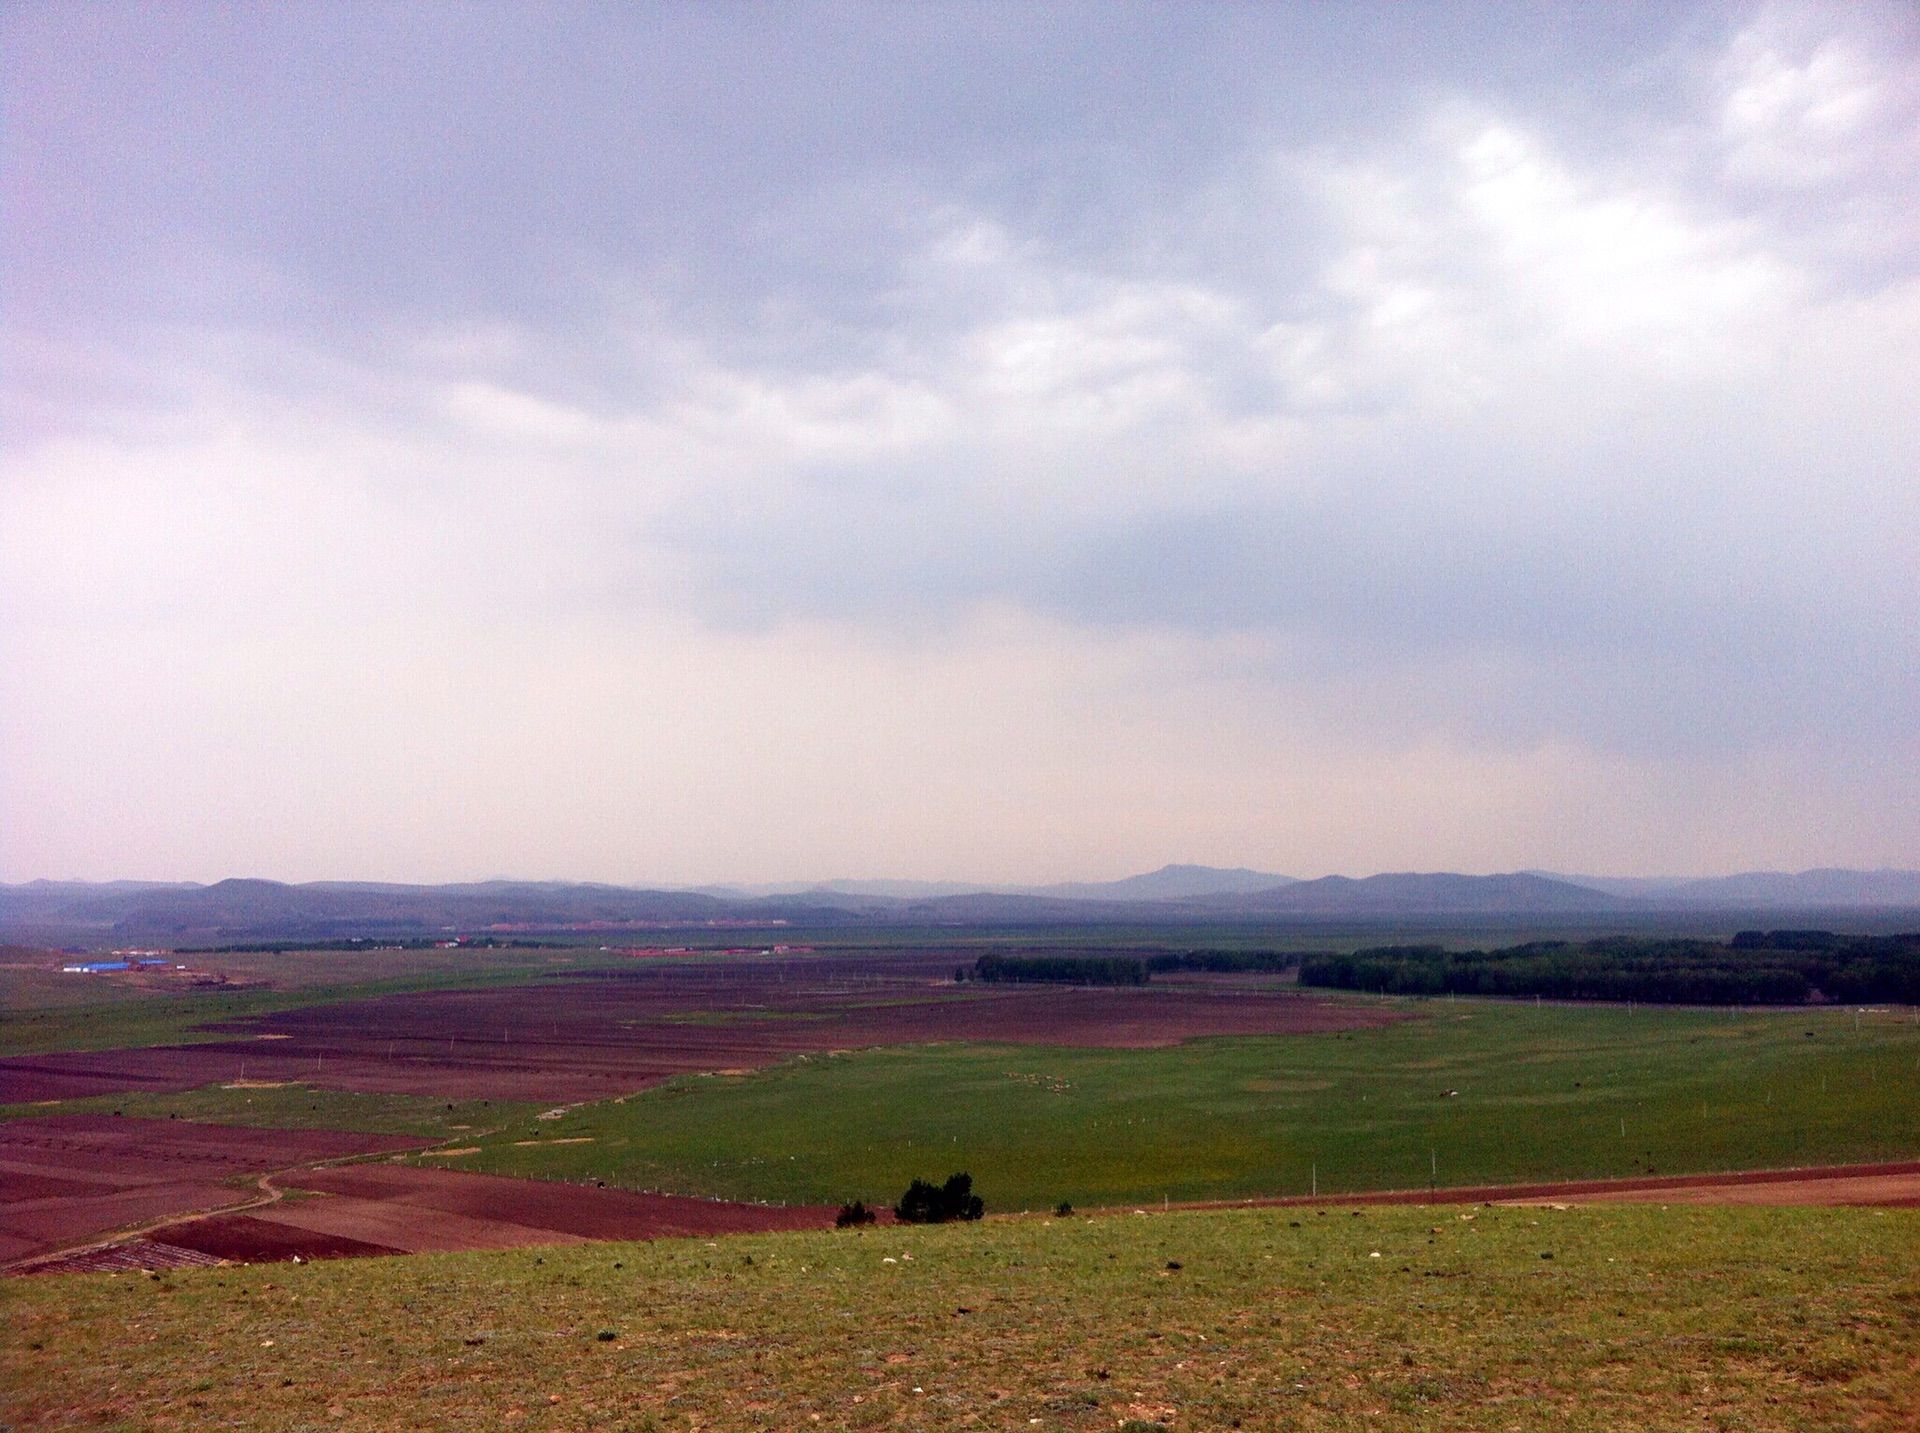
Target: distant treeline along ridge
{"x": 1123, "y": 969}
{"x": 1780, "y": 967}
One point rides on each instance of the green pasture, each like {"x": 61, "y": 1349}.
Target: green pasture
{"x": 1328, "y": 1321}
{"x": 1464, "y": 1093}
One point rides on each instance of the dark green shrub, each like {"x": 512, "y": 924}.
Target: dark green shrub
{"x": 852, "y": 1216}
{"x": 925, "y": 1203}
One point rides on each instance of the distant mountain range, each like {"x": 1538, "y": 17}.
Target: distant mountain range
{"x": 1172, "y": 883}
{"x": 233, "y": 911}
{"x": 1441, "y": 894}
{"x": 1169, "y": 883}
{"x": 1809, "y": 889}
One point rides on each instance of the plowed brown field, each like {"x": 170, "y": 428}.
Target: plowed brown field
{"x": 67, "y": 1177}
{"x": 1886, "y": 1186}
{"x": 396, "y": 1209}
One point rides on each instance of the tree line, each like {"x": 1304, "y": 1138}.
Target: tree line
{"x": 1225, "y": 962}
{"x": 1754, "y": 968}
{"x": 1063, "y": 969}
{"x": 1113, "y": 969}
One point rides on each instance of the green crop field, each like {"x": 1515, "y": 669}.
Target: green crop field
{"x": 1536, "y": 1093}
{"x": 296, "y": 1106}
{"x": 1740, "y": 1320}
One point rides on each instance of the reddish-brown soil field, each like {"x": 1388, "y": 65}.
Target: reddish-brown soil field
{"x": 253, "y": 1239}
{"x": 396, "y": 1209}
{"x": 1879, "y": 1185}
{"x": 68, "y": 1177}
{"x": 1889, "y": 1186}
{"x": 564, "y": 1039}
{"x": 123, "y": 1258}
{"x": 576, "y": 1210}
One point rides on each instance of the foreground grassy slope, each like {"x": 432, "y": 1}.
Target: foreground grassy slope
{"x": 1542, "y": 1093}
{"x": 1640, "y": 1318}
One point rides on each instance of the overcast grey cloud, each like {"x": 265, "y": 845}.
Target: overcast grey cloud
{"x": 684, "y": 443}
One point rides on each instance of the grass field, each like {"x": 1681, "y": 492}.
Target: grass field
{"x": 1542, "y": 1093}
{"x": 1484, "y": 1319}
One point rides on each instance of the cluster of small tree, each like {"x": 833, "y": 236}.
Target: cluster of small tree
{"x": 1224, "y": 962}
{"x": 925, "y": 1203}
{"x": 1816, "y": 940}
{"x": 1063, "y": 969}
{"x": 852, "y": 1216}
{"x": 1755, "y": 968}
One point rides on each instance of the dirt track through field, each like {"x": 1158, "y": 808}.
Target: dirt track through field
{"x": 1895, "y": 1185}
{"x": 1884, "y": 1186}
{"x": 67, "y": 1177}
{"x": 375, "y": 1209}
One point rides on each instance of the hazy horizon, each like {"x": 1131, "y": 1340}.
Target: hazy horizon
{"x": 807, "y": 883}
{"x": 1020, "y": 441}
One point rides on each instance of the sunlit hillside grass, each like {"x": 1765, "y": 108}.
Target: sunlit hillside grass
{"x": 1456, "y": 1318}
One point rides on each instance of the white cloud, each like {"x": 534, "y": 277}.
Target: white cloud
{"x": 1536, "y": 479}
{"x": 1814, "y": 122}
{"x": 1799, "y": 114}
{"x": 503, "y": 412}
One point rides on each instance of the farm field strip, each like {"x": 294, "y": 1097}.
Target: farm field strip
{"x": 68, "y": 1178}
{"x": 383, "y": 1209}
{"x": 1892, "y": 1186}
{"x": 293, "y": 1105}
{"x": 47, "y": 1011}
{"x": 592, "y": 1037}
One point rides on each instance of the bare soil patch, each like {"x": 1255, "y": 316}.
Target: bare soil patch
{"x": 584, "y": 1211}
{"x": 396, "y": 1209}
{"x": 252, "y": 1239}
{"x": 1880, "y": 1186}
{"x": 1895, "y": 1185}
{"x": 134, "y": 1254}
{"x": 68, "y": 1177}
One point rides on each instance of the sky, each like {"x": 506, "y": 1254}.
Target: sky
{"x": 672, "y": 443}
